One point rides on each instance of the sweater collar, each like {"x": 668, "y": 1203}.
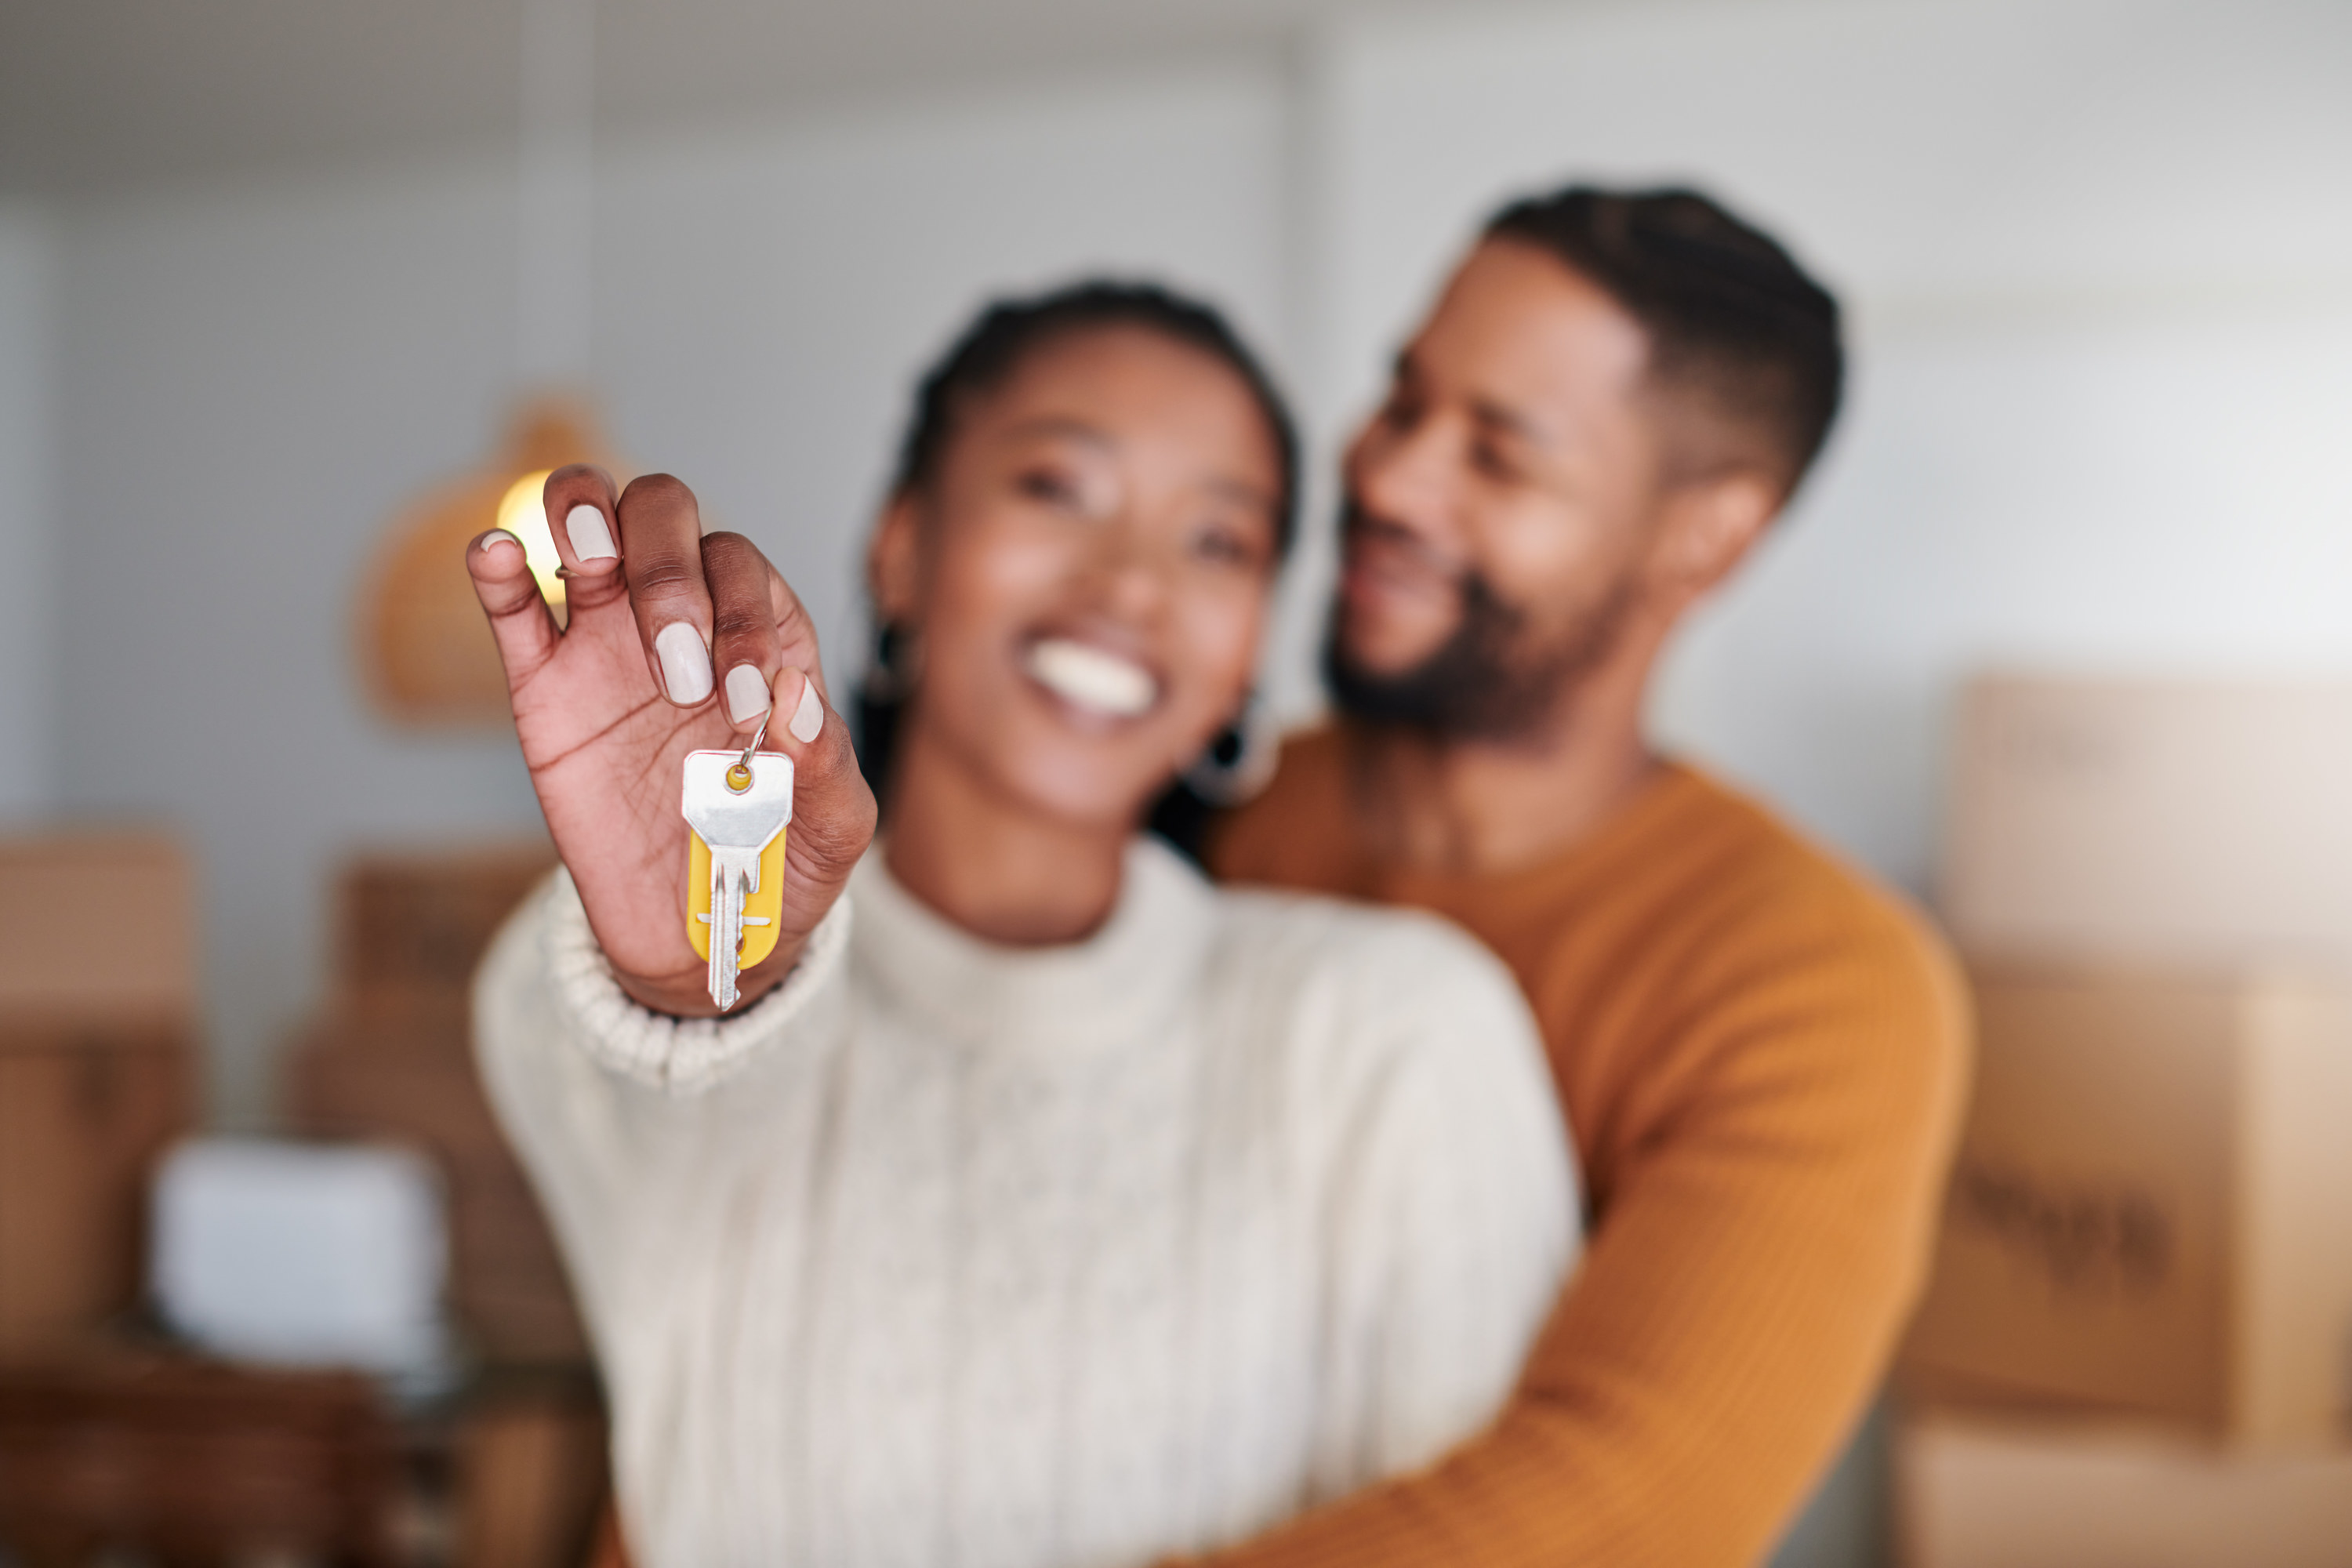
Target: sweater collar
{"x": 1123, "y": 981}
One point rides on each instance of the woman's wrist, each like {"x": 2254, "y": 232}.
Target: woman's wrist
{"x": 686, "y": 993}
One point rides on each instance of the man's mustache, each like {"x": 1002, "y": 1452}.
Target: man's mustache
{"x": 1359, "y": 525}
{"x": 1487, "y": 616}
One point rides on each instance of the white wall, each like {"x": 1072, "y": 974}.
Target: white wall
{"x": 255, "y": 378}
{"x": 27, "y": 573}
{"x": 765, "y": 307}
{"x": 252, "y": 379}
{"x": 2100, "y": 255}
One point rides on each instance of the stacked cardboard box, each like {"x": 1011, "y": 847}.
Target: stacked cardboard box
{"x": 97, "y": 1069}
{"x": 391, "y": 1058}
{"x": 2197, "y": 822}
{"x": 2037, "y": 1492}
{"x": 2150, "y": 1218}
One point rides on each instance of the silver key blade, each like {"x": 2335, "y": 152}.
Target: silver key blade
{"x": 726, "y": 928}
{"x": 733, "y": 874}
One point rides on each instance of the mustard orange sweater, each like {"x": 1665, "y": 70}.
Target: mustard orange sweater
{"x": 1763, "y": 1058}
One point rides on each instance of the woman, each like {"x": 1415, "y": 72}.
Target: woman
{"x": 1039, "y": 1205}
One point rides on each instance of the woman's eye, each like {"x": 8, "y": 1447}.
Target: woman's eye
{"x": 1490, "y": 461}
{"x": 1046, "y": 485}
{"x": 1225, "y": 546}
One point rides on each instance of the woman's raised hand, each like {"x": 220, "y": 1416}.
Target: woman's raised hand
{"x": 676, "y": 641}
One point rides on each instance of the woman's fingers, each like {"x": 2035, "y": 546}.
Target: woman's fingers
{"x": 743, "y": 645}
{"x": 832, "y": 816}
{"x": 661, "y": 539}
{"x": 520, "y": 622}
{"x": 832, "y": 809}
{"x": 714, "y": 617}
{"x": 581, "y": 506}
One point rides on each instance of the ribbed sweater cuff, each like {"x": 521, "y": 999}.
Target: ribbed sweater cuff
{"x": 681, "y": 1055}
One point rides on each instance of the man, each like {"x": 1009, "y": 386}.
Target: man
{"x": 1762, "y": 1054}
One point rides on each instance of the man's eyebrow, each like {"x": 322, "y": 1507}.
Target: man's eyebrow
{"x": 1486, "y": 411}
{"x": 1063, "y": 424}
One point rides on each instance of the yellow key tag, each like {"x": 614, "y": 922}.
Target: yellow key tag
{"x": 760, "y": 911}
{"x": 736, "y": 806}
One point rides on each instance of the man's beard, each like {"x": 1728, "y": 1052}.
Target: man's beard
{"x": 1483, "y": 682}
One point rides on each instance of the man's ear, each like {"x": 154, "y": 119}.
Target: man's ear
{"x": 893, "y": 561}
{"x": 1710, "y": 526}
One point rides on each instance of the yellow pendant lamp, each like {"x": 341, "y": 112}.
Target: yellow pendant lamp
{"x": 425, "y": 647}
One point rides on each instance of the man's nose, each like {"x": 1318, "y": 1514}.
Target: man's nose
{"x": 1405, "y": 478}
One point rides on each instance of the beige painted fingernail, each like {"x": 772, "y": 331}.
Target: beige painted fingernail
{"x": 498, "y": 536}
{"x": 747, "y": 693}
{"x": 685, "y": 663}
{"x": 808, "y": 718}
{"x": 591, "y": 539}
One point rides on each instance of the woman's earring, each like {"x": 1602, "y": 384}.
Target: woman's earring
{"x": 1238, "y": 761}
{"x": 881, "y": 693}
{"x": 887, "y": 675}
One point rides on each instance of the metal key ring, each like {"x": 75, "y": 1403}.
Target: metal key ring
{"x": 738, "y": 777}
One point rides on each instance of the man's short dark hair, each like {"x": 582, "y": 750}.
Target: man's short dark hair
{"x": 1735, "y": 325}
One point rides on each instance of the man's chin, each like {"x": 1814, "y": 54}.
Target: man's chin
{"x": 1486, "y": 678}
{"x": 1401, "y": 695}
{"x": 1388, "y": 635}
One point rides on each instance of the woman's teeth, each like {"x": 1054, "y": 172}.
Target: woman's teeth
{"x": 1086, "y": 676}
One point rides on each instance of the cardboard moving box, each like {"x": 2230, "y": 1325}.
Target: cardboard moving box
{"x": 2152, "y": 1210}
{"x": 96, "y": 1071}
{"x": 52, "y": 975}
{"x": 391, "y": 1058}
{"x": 1971, "y": 1493}
{"x": 2152, "y": 820}
{"x": 413, "y": 925}
{"x": 82, "y": 1123}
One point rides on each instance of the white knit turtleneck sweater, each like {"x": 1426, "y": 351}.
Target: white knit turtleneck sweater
{"x": 952, "y": 1254}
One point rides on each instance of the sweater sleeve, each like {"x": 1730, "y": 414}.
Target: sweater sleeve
{"x": 1738, "y": 1298}
{"x": 1453, "y": 1207}
{"x": 586, "y": 1082}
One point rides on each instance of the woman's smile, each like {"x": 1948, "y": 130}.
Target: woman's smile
{"x": 1096, "y": 681}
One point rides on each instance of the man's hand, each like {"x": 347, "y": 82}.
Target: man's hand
{"x": 676, "y": 641}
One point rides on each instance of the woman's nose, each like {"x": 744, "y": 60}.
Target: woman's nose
{"x": 1132, "y": 564}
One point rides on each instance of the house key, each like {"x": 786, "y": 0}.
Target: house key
{"x": 736, "y": 803}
